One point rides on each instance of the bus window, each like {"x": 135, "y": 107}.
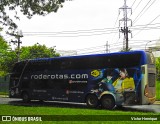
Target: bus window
{"x": 151, "y": 79}
{"x": 150, "y": 58}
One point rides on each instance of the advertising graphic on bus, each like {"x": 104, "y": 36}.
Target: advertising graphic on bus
{"x": 108, "y": 80}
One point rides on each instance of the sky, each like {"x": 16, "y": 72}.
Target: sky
{"x": 83, "y": 24}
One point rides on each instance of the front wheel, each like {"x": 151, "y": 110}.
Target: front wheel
{"x": 107, "y": 102}
{"x": 92, "y": 101}
{"x": 25, "y": 97}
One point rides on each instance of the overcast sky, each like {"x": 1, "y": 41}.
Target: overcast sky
{"x": 86, "y": 23}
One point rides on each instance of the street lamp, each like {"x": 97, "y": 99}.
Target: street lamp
{"x": 147, "y": 44}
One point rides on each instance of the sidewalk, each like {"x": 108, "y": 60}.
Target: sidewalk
{"x": 157, "y": 102}
{"x": 4, "y": 96}
{"x": 155, "y": 107}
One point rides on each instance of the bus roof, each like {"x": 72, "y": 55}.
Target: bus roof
{"x": 142, "y": 53}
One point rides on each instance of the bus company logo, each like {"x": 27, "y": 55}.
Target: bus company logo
{"x": 6, "y": 118}
{"x": 95, "y": 73}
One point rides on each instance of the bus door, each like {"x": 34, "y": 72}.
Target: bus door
{"x": 148, "y": 88}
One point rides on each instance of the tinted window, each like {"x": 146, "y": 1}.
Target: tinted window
{"x": 18, "y": 67}
{"x": 115, "y": 61}
{"x": 150, "y": 58}
{"x": 87, "y": 62}
{"x": 151, "y": 80}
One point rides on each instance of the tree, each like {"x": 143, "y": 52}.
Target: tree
{"x": 28, "y": 8}
{"x": 7, "y": 57}
{"x": 37, "y": 51}
{"x": 124, "y": 50}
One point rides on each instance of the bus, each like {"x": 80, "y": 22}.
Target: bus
{"x": 107, "y": 80}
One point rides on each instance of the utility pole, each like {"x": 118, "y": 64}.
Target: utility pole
{"x": 125, "y": 21}
{"x": 107, "y": 47}
{"x": 18, "y": 42}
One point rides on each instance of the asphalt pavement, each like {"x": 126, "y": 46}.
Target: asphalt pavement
{"x": 143, "y": 108}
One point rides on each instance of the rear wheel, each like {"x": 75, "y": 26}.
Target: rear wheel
{"x": 25, "y": 97}
{"x": 107, "y": 102}
{"x": 92, "y": 101}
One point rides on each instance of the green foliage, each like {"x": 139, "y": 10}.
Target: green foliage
{"x": 158, "y": 67}
{"x": 9, "y": 57}
{"x": 8, "y": 62}
{"x": 28, "y": 8}
{"x": 71, "y": 110}
{"x": 158, "y": 90}
{"x": 61, "y": 110}
{"x": 37, "y": 51}
{"x": 124, "y": 50}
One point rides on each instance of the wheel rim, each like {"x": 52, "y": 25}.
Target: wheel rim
{"x": 107, "y": 102}
{"x": 92, "y": 101}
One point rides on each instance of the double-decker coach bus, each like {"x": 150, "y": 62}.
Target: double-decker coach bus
{"x": 108, "y": 80}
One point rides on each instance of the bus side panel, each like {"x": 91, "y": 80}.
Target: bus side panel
{"x": 63, "y": 85}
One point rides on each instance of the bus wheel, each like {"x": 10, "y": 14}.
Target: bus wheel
{"x": 107, "y": 102}
{"x": 92, "y": 101}
{"x": 25, "y": 97}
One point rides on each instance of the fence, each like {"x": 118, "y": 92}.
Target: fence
{"x": 4, "y": 85}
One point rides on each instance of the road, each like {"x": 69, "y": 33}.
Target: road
{"x": 143, "y": 108}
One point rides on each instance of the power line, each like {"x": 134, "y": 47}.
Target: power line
{"x": 137, "y": 6}
{"x": 78, "y": 31}
{"x": 52, "y": 34}
{"x": 138, "y": 17}
{"x": 154, "y": 19}
{"x": 133, "y": 3}
{"x": 145, "y": 40}
{"x": 146, "y": 28}
{"x": 60, "y": 35}
{"x": 148, "y": 24}
{"x": 84, "y": 31}
{"x": 141, "y": 11}
{"x": 90, "y": 48}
